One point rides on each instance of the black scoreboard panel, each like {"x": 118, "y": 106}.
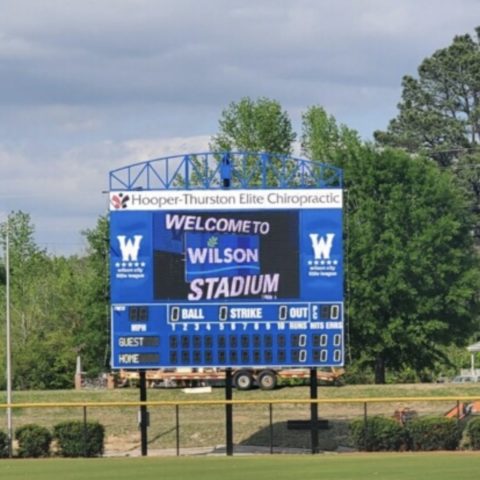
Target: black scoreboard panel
{"x": 228, "y": 335}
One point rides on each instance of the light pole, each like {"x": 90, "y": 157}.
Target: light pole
{"x": 7, "y": 316}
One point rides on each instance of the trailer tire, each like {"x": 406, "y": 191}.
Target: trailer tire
{"x": 243, "y": 380}
{"x": 267, "y": 380}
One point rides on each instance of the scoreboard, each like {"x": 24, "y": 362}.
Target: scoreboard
{"x": 226, "y": 278}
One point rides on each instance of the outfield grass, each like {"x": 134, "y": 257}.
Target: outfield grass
{"x": 405, "y": 466}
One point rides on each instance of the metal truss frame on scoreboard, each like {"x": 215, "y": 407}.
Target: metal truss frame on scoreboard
{"x": 235, "y": 170}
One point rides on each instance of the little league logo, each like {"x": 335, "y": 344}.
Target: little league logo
{"x": 129, "y": 247}
{"x": 322, "y": 265}
{"x": 130, "y": 267}
{"x": 321, "y": 246}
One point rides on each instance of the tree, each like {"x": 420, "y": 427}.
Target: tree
{"x": 254, "y": 126}
{"x": 467, "y": 172}
{"x": 413, "y": 270}
{"x": 439, "y": 113}
{"x": 45, "y": 310}
{"x": 92, "y": 335}
{"x": 323, "y": 140}
{"x": 31, "y": 317}
{"x": 26, "y": 261}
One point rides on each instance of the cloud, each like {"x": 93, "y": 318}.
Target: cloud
{"x": 206, "y": 52}
{"x": 68, "y": 196}
{"x": 75, "y": 181}
{"x": 111, "y": 55}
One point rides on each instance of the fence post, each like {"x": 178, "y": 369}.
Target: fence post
{"x": 177, "y": 427}
{"x": 228, "y": 412}
{"x": 85, "y": 432}
{"x": 314, "y": 410}
{"x": 365, "y": 425}
{"x": 270, "y": 412}
{"x": 143, "y": 413}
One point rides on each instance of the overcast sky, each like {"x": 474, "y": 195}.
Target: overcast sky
{"x": 89, "y": 86}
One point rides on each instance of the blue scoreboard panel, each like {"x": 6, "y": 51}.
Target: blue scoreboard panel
{"x": 226, "y": 278}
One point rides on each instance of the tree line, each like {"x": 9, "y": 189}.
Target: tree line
{"x": 412, "y": 231}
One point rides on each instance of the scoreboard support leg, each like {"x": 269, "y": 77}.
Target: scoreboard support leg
{"x": 313, "y": 410}
{"x": 229, "y": 412}
{"x": 143, "y": 413}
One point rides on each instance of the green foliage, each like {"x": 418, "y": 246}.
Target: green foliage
{"x": 467, "y": 172}
{"x": 439, "y": 113}
{"x": 59, "y": 308}
{"x": 404, "y": 374}
{"x": 3, "y": 445}
{"x": 47, "y": 361}
{"x": 473, "y": 433}
{"x": 254, "y": 126}
{"x": 30, "y": 290}
{"x": 79, "y": 439}
{"x": 386, "y": 434}
{"x": 92, "y": 334}
{"x": 412, "y": 268}
{"x": 378, "y": 434}
{"x": 323, "y": 140}
{"x": 434, "y": 433}
{"x": 33, "y": 441}
{"x": 358, "y": 373}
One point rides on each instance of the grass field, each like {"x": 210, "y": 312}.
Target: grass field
{"x": 203, "y": 426}
{"x": 439, "y": 466}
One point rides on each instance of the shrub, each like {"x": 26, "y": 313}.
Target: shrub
{"x": 3, "y": 445}
{"x": 358, "y": 374}
{"x": 473, "y": 433}
{"x": 79, "y": 439}
{"x": 434, "y": 433}
{"x": 33, "y": 441}
{"x": 378, "y": 434}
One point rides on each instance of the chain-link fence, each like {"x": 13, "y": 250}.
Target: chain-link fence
{"x": 263, "y": 426}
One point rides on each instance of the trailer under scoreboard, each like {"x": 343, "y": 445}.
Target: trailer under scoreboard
{"x": 226, "y": 278}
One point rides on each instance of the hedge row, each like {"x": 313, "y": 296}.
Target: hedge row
{"x": 431, "y": 433}
{"x": 73, "y": 439}
{"x": 3, "y": 445}
{"x": 473, "y": 433}
{"x": 76, "y": 439}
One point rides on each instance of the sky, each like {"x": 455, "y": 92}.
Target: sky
{"x": 90, "y": 86}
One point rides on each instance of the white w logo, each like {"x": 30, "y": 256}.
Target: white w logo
{"x": 322, "y": 247}
{"x": 129, "y": 248}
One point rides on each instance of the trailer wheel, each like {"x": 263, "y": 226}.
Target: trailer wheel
{"x": 267, "y": 380}
{"x": 243, "y": 380}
